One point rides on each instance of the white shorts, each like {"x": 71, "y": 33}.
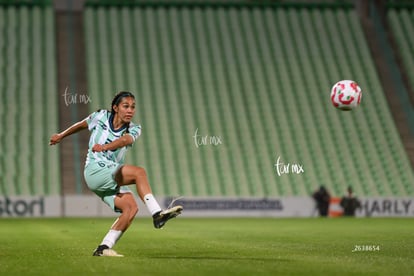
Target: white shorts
{"x": 100, "y": 178}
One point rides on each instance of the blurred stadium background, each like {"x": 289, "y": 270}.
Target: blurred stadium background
{"x": 251, "y": 77}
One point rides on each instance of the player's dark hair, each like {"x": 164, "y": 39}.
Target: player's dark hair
{"x": 117, "y": 99}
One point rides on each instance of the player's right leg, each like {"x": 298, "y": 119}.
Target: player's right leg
{"x": 126, "y": 204}
{"x": 99, "y": 178}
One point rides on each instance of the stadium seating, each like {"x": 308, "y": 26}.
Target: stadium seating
{"x": 223, "y": 94}
{"x": 257, "y": 78}
{"x": 28, "y": 108}
{"x": 402, "y": 23}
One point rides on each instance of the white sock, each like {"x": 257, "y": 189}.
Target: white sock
{"x": 112, "y": 237}
{"x": 152, "y": 204}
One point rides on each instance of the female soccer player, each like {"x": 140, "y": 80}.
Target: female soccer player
{"x": 112, "y": 133}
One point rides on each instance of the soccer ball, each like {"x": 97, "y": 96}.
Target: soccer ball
{"x": 346, "y": 95}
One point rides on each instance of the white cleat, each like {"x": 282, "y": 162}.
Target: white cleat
{"x": 110, "y": 253}
{"x": 104, "y": 250}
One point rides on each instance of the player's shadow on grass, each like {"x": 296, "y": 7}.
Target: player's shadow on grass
{"x": 216, "y": 258}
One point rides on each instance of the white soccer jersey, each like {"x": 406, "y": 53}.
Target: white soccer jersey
{"x": 103, "y": 132}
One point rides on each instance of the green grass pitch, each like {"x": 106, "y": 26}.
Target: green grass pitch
{"x": 211, "y": 246}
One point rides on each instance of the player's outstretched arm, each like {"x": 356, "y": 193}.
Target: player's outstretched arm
{"x": 56, "y": 138}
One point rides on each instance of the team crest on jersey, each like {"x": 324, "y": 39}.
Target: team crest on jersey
{"x": 103, "y": 125}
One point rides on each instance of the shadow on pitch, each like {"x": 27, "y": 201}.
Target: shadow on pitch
{"x": 216, "y": 258}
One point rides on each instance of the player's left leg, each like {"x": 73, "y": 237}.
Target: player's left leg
{"x": 129, "y": 174}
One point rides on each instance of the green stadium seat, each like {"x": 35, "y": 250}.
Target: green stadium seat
{"x": 258, "y": 77}
{"x": 29, "y": 96}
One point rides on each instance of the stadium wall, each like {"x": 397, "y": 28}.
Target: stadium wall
{"x": 301, "y": 207}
